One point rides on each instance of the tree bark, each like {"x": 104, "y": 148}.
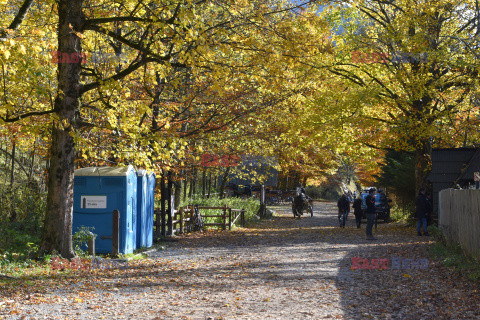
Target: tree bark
{"x": 204, "y": 183}
{"x": 224, "y": 183}
{"x": 185, "y": 183}
{"x": 209, "y": 188}
{"x": 169, "y": 204}
{"x": 13, "y": 212}
{"x": 177, "y": 192}
{"x": 193, "y": 187}
{"x": 12, "y": 172}
{"x": 215, "y": 180}
{"x": 163, "y": 201}
{"x": 57, "y": 233}
{"x": 423, "y": 163}
{"x": 32, "y": 161}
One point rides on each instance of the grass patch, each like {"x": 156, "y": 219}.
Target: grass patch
{"x": 452, "y": 256}
{"x": 250, "y": 205}
{"x": 18, "y": 251}
{"x": 17, "y": 244}
{"x": 133, "y": 256}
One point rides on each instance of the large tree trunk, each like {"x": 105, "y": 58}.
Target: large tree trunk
{"x": 423, "y": 164}
{"x": 178, "y": 192}
{"x": 57, "y": 233}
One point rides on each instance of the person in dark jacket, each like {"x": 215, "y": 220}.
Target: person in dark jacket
{"x": 343, "y": 206}
{"x": 350, "y": 200}
{"x": 422, "y": 209}
{"x": 357, "y": 211}
{"x": 370, "y": 212}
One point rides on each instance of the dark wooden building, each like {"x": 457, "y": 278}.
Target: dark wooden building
{"x": 453, "y": 168}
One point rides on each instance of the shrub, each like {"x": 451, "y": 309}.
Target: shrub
{"x": 401, "y": 213}
{"x": 314, "y": 192}
{"x": 81, "y": 237}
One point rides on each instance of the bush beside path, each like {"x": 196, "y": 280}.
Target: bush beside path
{"x": 282, "y": 268}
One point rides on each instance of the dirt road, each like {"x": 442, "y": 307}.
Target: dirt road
{"x": 283, "y": 268}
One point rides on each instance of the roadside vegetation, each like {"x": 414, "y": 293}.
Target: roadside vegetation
{"x": 453, "y": 257}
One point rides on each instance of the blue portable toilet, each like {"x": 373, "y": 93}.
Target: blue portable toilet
{"x": 150, "y": 208}
{"x": 97, "y": 191}
{"x": 142, "y": 181}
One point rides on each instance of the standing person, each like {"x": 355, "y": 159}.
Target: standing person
{"x": 370, "y": 202}
{"x": 343, "y": 205}
{"x": 422, "y": 208}
{"x": 357, "y": 211}
{"x": 350, "y": 200}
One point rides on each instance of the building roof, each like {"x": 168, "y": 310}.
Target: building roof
{"x": 104, "y": 171}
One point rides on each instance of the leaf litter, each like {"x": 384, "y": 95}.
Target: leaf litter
{"x": 282, "y": 268}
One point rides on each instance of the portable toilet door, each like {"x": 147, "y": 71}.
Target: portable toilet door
{"x": 141, "y": 213}
{"x": 150, "y": 209}
{"x": 98, "y": 191}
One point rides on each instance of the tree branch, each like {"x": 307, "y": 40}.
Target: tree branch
{"x": 26, "y": 115}
{"x": 125, "y": 72}
{"x": 22, "y": 12}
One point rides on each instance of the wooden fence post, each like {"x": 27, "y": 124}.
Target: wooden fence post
{"x": 181, "y": 220}
{"x": 115, "y": 232}
{"x": 229, "y": 218}
{"x": 261, "y": 212}
{"x": 242, "y": 217}
{"x": 224, "y": 217}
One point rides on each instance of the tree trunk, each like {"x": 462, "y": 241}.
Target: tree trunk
{"x": 163, "y": 201}
{"x": 224, "y": 183}
{"x": 209, "y": 188}
{"x": 169, "y": 204}
{"x": 193, "y": 188}
{"x": 12, "y": 172}
{"x": 32, "y": 161}
{"x": 178, "y": 192}
{"x": 215, "y": 180}
{"x": 57, "y": 233}
{"x": 204, "y": 183}
{"x": 185, "y": 183}
{"x": 423, "y": 164}
{"x": 13, "y": 212}
{"x": 190, "y": 188}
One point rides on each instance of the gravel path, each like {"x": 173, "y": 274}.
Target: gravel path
{"x": 283, "y": 268}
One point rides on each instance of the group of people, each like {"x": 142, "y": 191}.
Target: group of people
{"x": 343, "y": 205}
{"x": 423, "y": 211}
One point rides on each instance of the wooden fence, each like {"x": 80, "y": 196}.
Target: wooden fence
{"x": 459, "y": 218}
{"x": 183, "y": 219}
